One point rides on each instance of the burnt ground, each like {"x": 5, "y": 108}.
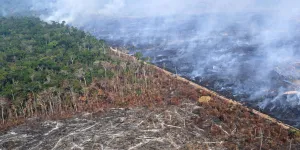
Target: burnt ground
{"x": 210, "y": 124}
{"x": 138, "y": 128}
{"x": 266, "y": 96}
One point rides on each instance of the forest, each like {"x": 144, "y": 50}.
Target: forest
{"x": 36, "y": 56}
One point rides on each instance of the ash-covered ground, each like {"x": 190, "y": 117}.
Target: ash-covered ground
{"x": 247, "y": 59}
{"x": 138, "y": 128}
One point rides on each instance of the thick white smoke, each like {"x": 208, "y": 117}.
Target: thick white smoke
{"x": 76, "y": 9}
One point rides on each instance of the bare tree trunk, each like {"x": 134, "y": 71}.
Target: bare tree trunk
{"x": 34, "y": 102}
{"x": 72, "y": 60}
{"x": 31, "y": 109}
{"x": 51, "y": 108}
{"x": 144, "y": 73}
{"x": 59, "y": 101}
{"x": 13, "y": 95}
{"x": 2, "y": 114}
{"x": 9, "y": 114}
{"x": 73, "y": 99}
{"x": 84, "y": 81}
{"x": 105, "y": 72}
{"x": 15, "y": 111}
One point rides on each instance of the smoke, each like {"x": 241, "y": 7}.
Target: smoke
{"x": 247, "y": 47}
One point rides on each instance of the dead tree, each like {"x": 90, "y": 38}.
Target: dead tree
{"x": 3, "y": 103}
{"x": 106, "y": 65}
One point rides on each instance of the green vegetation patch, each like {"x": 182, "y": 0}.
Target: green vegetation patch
{"x": 35, "y": 55}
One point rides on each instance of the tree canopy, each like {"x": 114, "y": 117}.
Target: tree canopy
{"x": 35, "y": 55}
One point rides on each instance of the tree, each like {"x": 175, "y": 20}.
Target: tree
{"x": 138, "y": 55}
{"x": 3, "y": 103}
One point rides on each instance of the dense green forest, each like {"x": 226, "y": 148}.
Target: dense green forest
{"x": 35, "y": 56}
